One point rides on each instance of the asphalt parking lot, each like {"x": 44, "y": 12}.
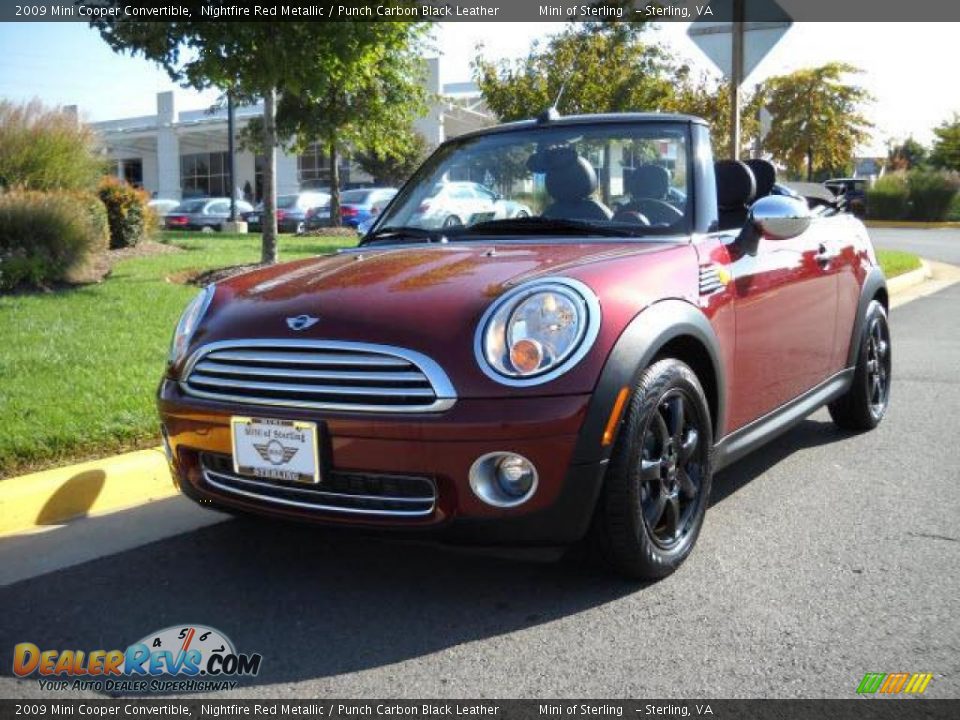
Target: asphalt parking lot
{"x": 825, "y": 556}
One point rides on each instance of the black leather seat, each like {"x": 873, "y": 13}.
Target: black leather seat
{"x": 765, "y": 175}
{"x": 571, "y": 180}
{"x": 647, "y": 186}
{"x": 736, "y": 188}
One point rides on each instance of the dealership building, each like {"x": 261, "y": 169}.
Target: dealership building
{"x": 181, "y": 154}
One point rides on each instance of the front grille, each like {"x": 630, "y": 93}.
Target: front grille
{"x": 322, "y": 375}
{"x": 399, "y": 496}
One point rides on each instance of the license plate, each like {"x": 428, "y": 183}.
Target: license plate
{"x": 275, "y": 449}
{"x": 253, "y": 218}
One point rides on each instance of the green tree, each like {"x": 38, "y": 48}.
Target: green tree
{"x": 710, "y": 100}
{"x": 946, "y": 146}
{"x": 907, "y": 155}
{"x": 335, "y": 62}
{"x": 393, "y": 168}
{"x": 817, "y": 122}
{"x": 373, "y": 86}
{"x": 602, "y": 67}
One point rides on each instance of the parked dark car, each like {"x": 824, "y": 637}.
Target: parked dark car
{"x": 291, "y": 211}
{"x": 204, "y": 214}
{"x": 852, "y": 191}
{"x": 356, "y": 207}
{"x": 535, "y": 380}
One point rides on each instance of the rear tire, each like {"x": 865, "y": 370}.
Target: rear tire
{"x": 657, "y": 485}
{"x": 865, "y": 403}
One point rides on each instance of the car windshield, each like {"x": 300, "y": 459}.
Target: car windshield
{"x": 613, "y": 178}
{"x": 191, "y": 206}
{"x": 285, "y": 202}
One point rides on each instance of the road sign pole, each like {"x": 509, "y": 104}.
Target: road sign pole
{"x": 736, "y": 76}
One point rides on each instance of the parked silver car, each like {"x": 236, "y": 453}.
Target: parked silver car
{"x": 204, "y": 214}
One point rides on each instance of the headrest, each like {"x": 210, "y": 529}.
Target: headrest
{"x": 547, "y": 157}
{"x": 736, "y": 186}
{"x": 765, "y": 175}
{"x": 574, "y": 179}
{"x": 648, "y": 181}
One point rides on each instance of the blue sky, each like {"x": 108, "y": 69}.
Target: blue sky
{"x": 908, "y": 66}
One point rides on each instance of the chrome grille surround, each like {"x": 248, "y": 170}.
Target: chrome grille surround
{"x": 357, "y": 494}
{"x": 318, "y": 375}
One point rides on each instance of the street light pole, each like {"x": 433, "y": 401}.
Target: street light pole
{"x": 230, "y": 160}
{"x": 736, "y": 76}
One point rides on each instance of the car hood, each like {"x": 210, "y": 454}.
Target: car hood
{"x": 423, "y": 298}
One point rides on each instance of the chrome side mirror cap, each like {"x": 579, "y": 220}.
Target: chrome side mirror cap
{"x": 778, "y": 217}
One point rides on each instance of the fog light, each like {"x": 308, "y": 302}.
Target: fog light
{"x": 503, "y": 479}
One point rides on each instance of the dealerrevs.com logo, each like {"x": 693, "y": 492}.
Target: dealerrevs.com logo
{"x": 181, "y": 658}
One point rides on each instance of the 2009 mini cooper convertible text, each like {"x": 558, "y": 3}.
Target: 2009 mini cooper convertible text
{"x": 577, "y": 371}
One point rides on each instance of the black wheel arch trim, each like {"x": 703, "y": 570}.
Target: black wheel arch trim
{"x": 640, "y": 342}
{"x": 873, "y": 283}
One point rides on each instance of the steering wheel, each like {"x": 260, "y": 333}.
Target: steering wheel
{"x": 632, "y": 216}
{"x": 658, "y": 211}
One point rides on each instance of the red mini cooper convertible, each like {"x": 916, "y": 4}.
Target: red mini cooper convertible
{"x": 578, "y": 370}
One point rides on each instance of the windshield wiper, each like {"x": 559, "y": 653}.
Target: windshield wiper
{"x": 537, "y": 225}
{"x": 401, "y": 233}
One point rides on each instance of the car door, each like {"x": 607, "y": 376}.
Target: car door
{"x": 785, "y": 299}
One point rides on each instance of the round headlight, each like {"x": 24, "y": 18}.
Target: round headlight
{"x": 189, "y": 321}
{"x": 537, "y": 331}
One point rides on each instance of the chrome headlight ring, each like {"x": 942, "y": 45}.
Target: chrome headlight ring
{"x": 496, "y": 325}
{"x": 188, "y": 323}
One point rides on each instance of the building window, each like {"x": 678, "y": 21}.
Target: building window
{"x": 313, "y": 169}
{"x": 205, "y": 174}
{"x": 129, "y": 170}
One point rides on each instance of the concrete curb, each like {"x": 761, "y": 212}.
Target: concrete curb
{"x": 911, "y": 224}
{"x": 900, "y": 283}
{"x": 52, "y": 497}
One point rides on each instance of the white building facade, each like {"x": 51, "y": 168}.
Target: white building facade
{"x": 182, "y": 154}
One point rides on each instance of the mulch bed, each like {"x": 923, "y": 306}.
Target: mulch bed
{"x": 202, "y": 279}
{"x": 98, "y": 267}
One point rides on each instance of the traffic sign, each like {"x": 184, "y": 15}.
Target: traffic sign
{"x": 737, "y": 47}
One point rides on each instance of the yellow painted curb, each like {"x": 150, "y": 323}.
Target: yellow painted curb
{"x": 54, "y": 496}
{"x": 912, "y": 224}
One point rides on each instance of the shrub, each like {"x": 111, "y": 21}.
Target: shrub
{"x": 954, "y": 213}
{"x": 931, "y": 194}
{"x": 889, "y": 198}
{"x": 43, "y": 148}
{"x": 130, "y": 217}
{"x": 46, "y": 236}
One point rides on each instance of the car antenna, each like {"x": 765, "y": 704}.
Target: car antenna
{"x": 551, "y": 113}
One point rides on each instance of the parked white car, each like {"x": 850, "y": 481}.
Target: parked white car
{"x": 464, "y": 203}
{"x": 162, "y": 206}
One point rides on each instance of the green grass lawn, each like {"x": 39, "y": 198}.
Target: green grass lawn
{"x": 79, "y": 367}
{"x": 896, "y": 262}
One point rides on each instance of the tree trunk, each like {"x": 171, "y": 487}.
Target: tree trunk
{"x": 809, "y": 164}
{"x": 335, "y": 220}
{"x": 269, "y": 252}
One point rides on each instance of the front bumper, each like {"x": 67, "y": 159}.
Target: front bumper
{"x": 439, "y": 448}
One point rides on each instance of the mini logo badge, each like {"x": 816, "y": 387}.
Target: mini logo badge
{"x": 301, "y": 322}
{"x": 275, "y": 453}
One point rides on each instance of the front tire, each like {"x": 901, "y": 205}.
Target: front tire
{"x": 658, "y": 482}
{"x": 865, "y": 403}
